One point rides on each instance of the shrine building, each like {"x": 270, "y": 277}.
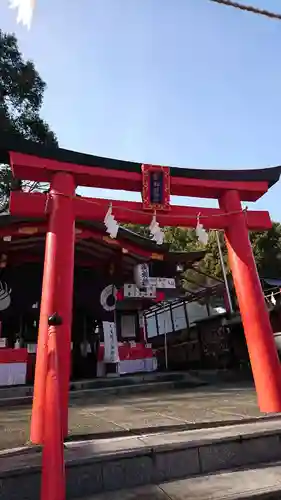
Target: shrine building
{"x": 104, "y": 282}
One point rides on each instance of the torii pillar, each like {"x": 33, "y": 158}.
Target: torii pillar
{"x": 258, "y": 331}
{"x": 57, "y": 298}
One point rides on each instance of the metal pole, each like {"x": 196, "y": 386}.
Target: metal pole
{"x": 224, "y": 273}
{"x": 165, "y": 340}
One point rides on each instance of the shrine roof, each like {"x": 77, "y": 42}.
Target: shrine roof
{"x": 17, "y": 144}
{"x": 92, "y": 242}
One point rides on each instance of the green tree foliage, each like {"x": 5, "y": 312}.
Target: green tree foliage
{"x": 267, "y": 251}
{"x": 21, "y": 97}
{"x": 21, "y": 94}
{"x": 266, "y": 247}
{"x": 182, "y": 240}
{"x": 141, "y": 230}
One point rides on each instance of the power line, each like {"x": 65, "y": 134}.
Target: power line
{"x": 248, "y": 8}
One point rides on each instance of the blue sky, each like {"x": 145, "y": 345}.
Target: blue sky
{"x": 175, "y": 82}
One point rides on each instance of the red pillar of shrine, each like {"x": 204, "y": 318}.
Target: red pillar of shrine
{"x": 258, "y": 332}
{"x": 57, "y": 297}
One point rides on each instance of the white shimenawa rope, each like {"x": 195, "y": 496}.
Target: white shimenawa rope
{"x": 25, "y": 10}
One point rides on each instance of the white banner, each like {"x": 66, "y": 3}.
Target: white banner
{"x": 111, "y": 354}
{"x": 162, "y": 282}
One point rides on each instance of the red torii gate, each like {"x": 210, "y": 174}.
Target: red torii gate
{"x": 66, "y": 170}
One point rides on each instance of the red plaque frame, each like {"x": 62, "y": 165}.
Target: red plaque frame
{"x": 146, "y": 172}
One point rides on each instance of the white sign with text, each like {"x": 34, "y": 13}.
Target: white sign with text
{"x": 111, "y": 354}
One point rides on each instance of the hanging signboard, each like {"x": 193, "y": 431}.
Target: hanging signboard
{"x": 111, "y": 354}
{"x": 131, "y": 291}
{"x": 155, "y": 187}
{"x": 142, "y": 278}
{"x": 162, "y": 282}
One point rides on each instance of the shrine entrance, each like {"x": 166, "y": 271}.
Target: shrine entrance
{"x": 61, "y": 207}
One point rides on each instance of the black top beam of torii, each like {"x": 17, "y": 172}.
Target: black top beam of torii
{"x": 15, "y": 143}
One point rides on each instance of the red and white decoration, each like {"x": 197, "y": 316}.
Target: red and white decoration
{"x": 133, "y": 358}
{"x": 13, "y": 366}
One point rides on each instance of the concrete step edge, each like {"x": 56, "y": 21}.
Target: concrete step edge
{"x": 154, "y": 494}
{"x": 215, "y": 486}
{"x": 123, "y": 381}
{"x": 101, "y": 450}
{"x": 142, "y": 461}
{"x": 72, "y": 440}
{"x": 147, "y": 386}
{"x": 81, "y": 392}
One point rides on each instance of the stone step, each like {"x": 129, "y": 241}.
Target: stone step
{"x": 257, "y": 483}
{"x": 214, "y": 377}
{"x": 97, "y": 466}
{"x": 14, "y": 396}
{"x": 96, "y": 383}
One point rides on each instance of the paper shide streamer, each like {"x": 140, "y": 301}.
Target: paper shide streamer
{"x": 25, "y": 9}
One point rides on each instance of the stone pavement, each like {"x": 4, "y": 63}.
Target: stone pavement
{"x": 259, "y": 482}
{"x": 144, "y": 411}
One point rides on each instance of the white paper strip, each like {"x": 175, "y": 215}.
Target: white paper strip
{"x": 201, "y": 233}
